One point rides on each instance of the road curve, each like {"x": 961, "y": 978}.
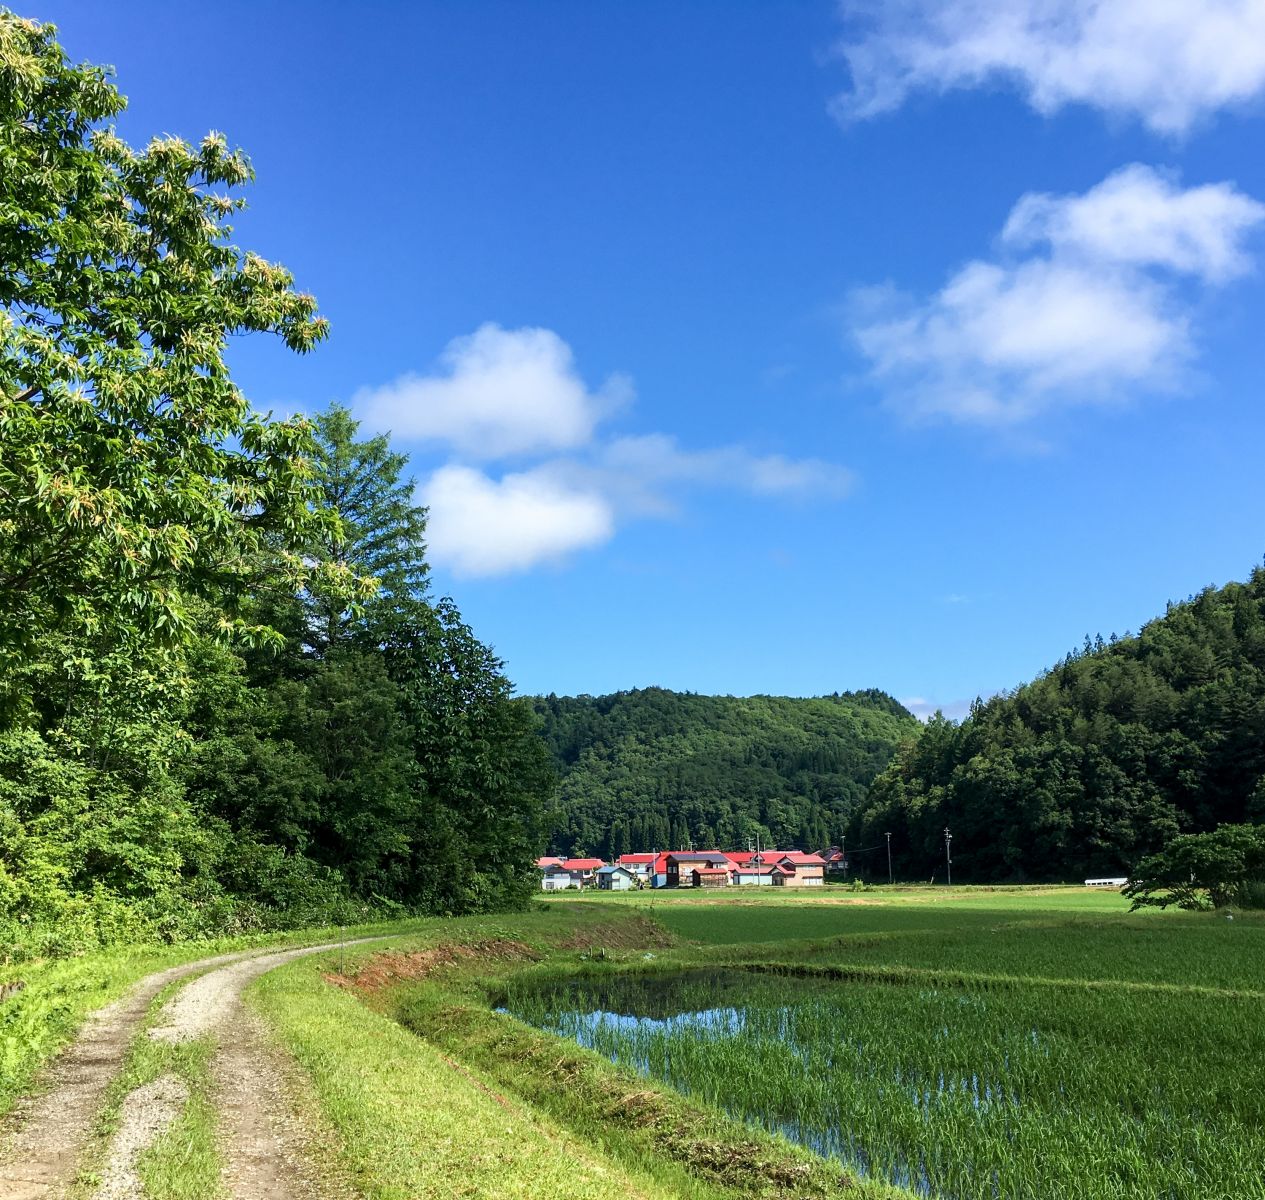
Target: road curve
{"x": 42, "y": 1142}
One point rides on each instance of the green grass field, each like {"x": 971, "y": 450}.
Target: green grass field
{"x": 976, "y": 1043}
{"x": 960, "y": 1045}
{"x": 1062, "y": 934}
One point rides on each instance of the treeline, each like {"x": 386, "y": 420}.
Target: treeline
{"x": 1096, "y": 764}
{"x": 656, "y": 769}
{"x": 228, "y": 700}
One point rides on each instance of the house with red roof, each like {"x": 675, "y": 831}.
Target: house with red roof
{"x": 804, "y": 870}
{"x": 555, "y": 877}
{"x": 583, "y": 871}
{"x": 836, "y": 862}
{"x": 641, "y": 865}
{"x": 777, "y": 868}
{"x": 753, "y": 874}
{"x": 659, "y": 870}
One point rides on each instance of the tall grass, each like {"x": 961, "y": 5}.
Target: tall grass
{"x": 1040, "y": 1092}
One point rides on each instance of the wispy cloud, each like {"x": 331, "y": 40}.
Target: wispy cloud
{"x": 1168, "y": 63}
{"x": 517, "y": 394}
{"x": 646, "y": 475}
{"x": 1093, "y": 312}
{"x": 1140, "y": 218}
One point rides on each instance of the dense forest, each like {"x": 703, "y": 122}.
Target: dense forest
{"x": 652, "y": 768}
{"x": 228, "y": 699}
{"x": 1097, "y": 763}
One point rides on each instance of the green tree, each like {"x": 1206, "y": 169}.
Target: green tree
{"x": 381, "y": 534}
{"x": 133, "y": 473}
{"x": 1099, "y": 762}
{"x": 1202, "y": 870}
{"x": 461, "y": 826}
{"x": 480, "y": 758}
{"x": 719, "y": 768}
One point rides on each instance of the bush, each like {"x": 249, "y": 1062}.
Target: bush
{"x": 1204, "y": 870}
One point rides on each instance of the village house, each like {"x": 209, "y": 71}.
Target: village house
{"x": 753, "y": 874}
{"x": 659, "y": 870}
{"x": 583, "y": 870}
{"x": 806, "y": 870}
{"x": 836, "y": 863}
{"x": 709, "y": 877}
{"x": 682, "y": 862}
{"x": 641, "y": 865}
{"x": 615, "y": 879}
{"x": 686, "y": 868}
{"x": 777, "y": 868}
{"x": 555, "y": 877}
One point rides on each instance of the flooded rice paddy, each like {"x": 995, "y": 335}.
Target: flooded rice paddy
{"x": 955, "y": 1093}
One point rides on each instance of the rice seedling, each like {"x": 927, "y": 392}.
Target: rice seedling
{"x": 954, "y": 1092}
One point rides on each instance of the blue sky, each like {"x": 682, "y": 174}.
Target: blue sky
{"x": 782, "y": 348}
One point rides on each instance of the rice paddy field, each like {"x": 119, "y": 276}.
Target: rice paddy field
{"x": 991, "y": 1045}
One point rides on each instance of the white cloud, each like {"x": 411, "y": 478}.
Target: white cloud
{"x": 1167, "y": 62}
{"x": 498, "y": 392}
{"x": 1138, "y": 216}
{"x": 1098, "y": 314}
{"x": 481, "y": 526}
{"x": 517, "y": 392}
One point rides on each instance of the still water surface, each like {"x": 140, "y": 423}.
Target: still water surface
{"x": 655, "y": 1023}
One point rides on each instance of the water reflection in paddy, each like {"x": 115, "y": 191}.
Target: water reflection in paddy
{"x": 948, "y": 1091}
{"x": 655, "y": 1023}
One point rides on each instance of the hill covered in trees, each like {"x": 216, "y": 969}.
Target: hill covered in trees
{"x": 652, "y": 768}
{"x": 1098, "y": 762}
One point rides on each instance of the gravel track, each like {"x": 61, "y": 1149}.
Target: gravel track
{"x": 44, "y": 1139}
{"x": 145, "y": 1114}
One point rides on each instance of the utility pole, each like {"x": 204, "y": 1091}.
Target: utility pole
{"x": 948, "y": 855}
{"x": 889, "y": 856}
{"x": 843, "y": 849}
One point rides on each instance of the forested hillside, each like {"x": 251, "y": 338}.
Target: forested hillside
{"x": 652, "y": 768}
{"x": 1096, "y": 763}
{"x": 228, "y": 699}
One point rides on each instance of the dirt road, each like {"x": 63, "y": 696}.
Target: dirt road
{"x": 262, "y": 1142}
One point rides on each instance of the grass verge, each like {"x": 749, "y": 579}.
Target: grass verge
{"x": 412, "y": 1124}
{"x": 432, "y": 1094}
